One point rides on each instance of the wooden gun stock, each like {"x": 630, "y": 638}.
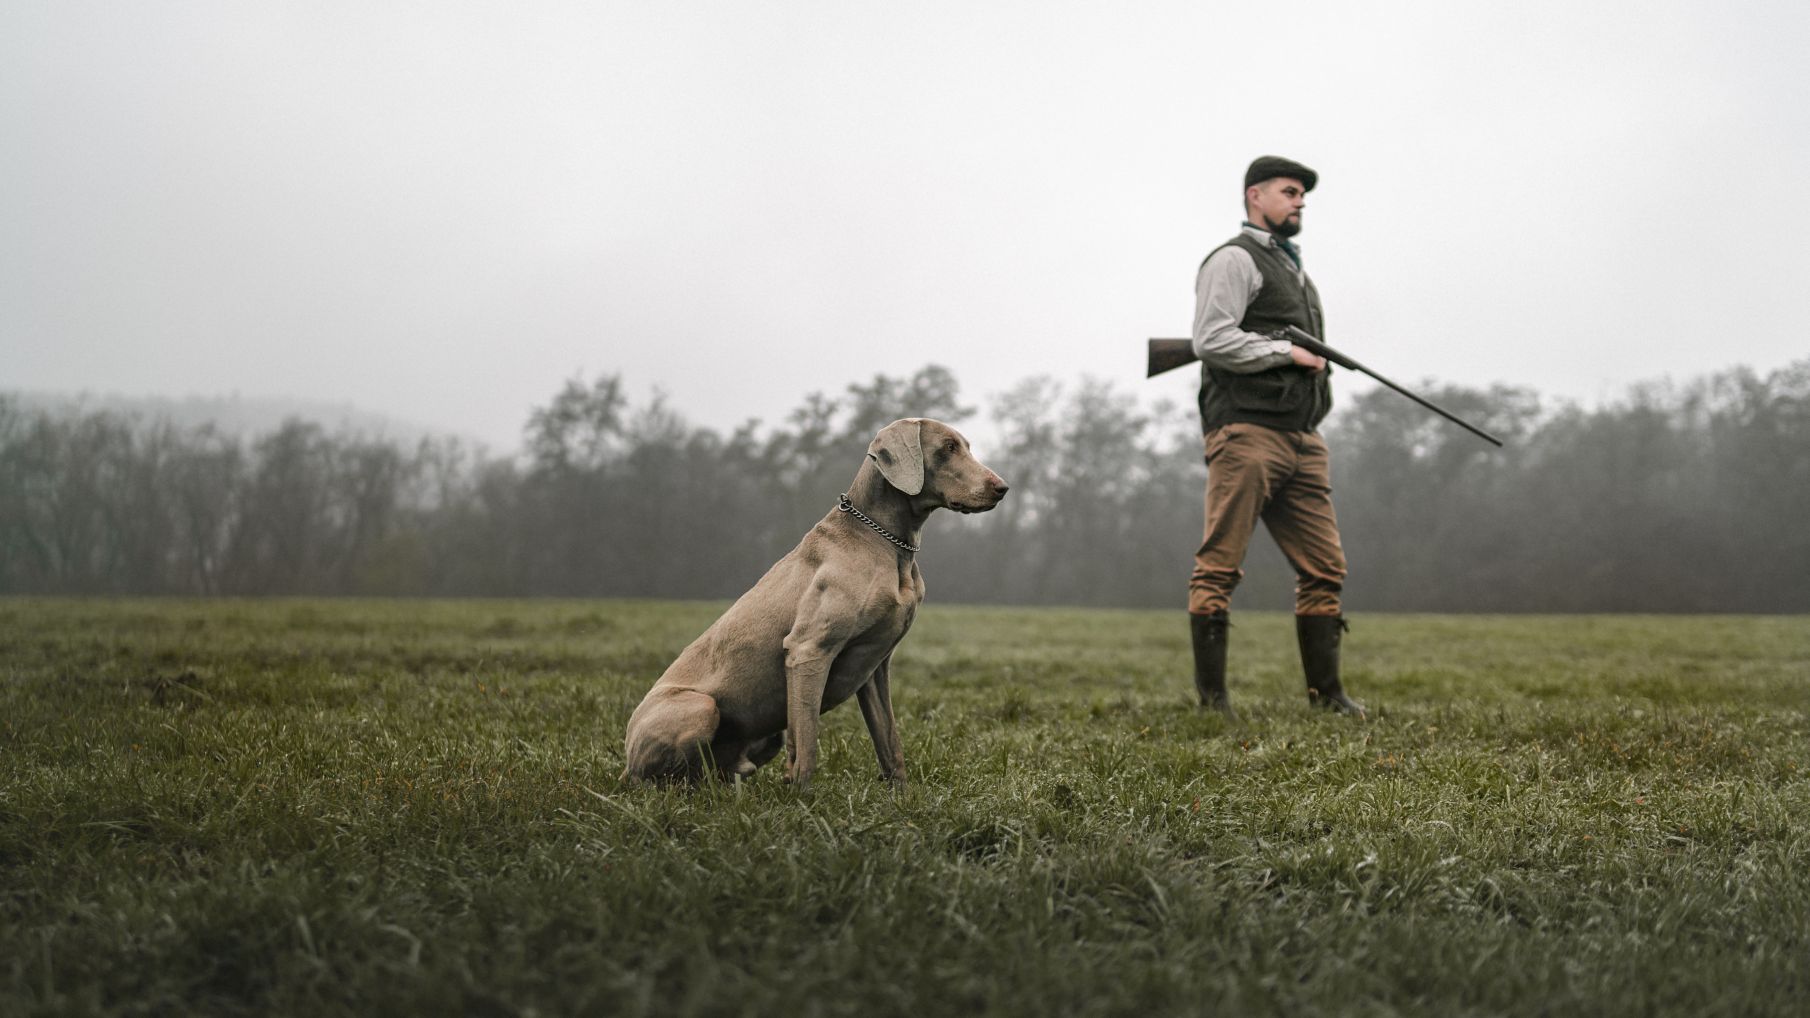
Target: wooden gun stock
{"x": 1169, "y": 354}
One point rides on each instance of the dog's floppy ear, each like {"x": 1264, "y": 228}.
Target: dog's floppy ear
{"x": 899, "y": 451}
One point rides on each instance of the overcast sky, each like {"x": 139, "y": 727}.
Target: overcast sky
{"x": 441, "y": 211}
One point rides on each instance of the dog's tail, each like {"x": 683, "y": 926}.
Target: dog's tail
{"x": 669, "y": 736}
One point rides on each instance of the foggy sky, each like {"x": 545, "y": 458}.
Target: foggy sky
{"x": 441, "y": 211}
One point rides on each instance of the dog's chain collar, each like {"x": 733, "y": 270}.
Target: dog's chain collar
{"x": 849, "y": 507}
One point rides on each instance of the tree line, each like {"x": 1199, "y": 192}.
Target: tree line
{"x": 1671, "y": 498}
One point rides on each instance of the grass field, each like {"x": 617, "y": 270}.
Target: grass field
{"x": 400, "y": 807}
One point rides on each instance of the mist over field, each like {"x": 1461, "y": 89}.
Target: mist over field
{"x": 1668, "y": 497}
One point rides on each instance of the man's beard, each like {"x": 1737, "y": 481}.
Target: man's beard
{"x": 1286, "y": 228}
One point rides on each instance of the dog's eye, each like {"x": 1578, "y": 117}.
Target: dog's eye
{"x": 949, "y": 445}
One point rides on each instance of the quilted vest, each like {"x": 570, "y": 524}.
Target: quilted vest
{"x": 1287, "y": 398}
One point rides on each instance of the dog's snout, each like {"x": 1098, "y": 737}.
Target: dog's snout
{"x": 998, "y": 484}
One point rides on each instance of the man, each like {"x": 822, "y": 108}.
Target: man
{"x": 1261, "y": 397}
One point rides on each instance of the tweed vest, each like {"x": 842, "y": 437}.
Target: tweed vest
{"x": 1287, "y": 398}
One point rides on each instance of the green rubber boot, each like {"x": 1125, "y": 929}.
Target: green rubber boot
{"x": 1209, "y": 633}
{"x": 1319, "y": 636}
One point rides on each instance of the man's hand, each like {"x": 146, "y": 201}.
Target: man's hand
{"x": 1312, "y": 362}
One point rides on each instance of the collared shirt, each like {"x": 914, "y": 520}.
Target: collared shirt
{"x": 1224, "y": 288}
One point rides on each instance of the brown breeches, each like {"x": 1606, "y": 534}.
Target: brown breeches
{"x": 1280, "y": 477}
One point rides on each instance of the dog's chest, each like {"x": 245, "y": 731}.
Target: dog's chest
{"x": 911, "y": 588}
{"x": 856, "y": 664}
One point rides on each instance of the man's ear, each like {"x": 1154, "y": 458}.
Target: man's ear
{"x": 899, "y": 452}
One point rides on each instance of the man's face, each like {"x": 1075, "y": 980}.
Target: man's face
{"x": 1276, "y": 204}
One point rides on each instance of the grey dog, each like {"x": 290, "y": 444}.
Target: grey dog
{"x": 819, "y": 626}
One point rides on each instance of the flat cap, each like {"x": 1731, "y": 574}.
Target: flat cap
{"x": 1265, "y": 167}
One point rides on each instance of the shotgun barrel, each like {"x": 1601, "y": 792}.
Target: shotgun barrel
{"x": 1169, "y": 354}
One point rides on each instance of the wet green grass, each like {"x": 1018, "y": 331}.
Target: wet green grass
{"x": 398, "y": 807}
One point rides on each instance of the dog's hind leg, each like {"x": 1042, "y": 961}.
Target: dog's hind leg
{"x": 669, "y": 736}
{"x": 740, "y": 758}
{"x": 762, "y": 750}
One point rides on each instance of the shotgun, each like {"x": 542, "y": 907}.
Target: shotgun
{"x": 1169, "y": 354}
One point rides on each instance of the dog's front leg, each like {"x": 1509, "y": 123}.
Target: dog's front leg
{"x": 804, "y": 705}
{"x": 876, "y": 707}
{"x": 812, "y": 645}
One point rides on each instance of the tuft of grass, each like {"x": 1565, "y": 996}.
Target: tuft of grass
{"x": 406, "y": 807}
